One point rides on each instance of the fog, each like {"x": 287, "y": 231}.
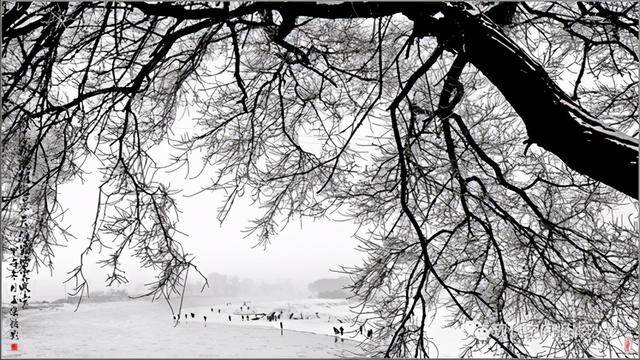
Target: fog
{"x": 304, "y": 251}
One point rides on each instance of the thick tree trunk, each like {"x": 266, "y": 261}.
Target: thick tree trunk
{"x": 552, "y": 119}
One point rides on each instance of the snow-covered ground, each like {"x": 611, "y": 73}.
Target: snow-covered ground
{"x": 317, "y": 316}
{"x": 144, "y": 329}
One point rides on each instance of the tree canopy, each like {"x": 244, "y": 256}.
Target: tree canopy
{"x": 485, "y": 149}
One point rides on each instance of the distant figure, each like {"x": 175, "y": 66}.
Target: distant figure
{"x": 360, "y": 329}
{"x": 248, "y": 307}
{"x": 301, "y": 317}
{"x": 318, "y": 316}
{"x": 240, "y": 307}
{"x": 205, "y": 318}
{"x": 211, "y": 309}
{"x": 335, "y": 331}
{"x": 369, "y": 333}
{"x": 341, "y": 331}
{"x": 229, "y": 317}
{"x": 185, "y": 316}
{"x": 218, "y": 311}
{"x": 290, "y": 316}
{"x": 193, "y": 315}
{"x": 242, "y": 316}
{"x": 281, "y": 329}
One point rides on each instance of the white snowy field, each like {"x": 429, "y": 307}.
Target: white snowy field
{"x": 320, "y": 316}
{"x": 136, "y": 329}
{"x": 145, "y": 329}
{"x": 316, "y": 316}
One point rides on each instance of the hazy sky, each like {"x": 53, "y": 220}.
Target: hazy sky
{"x": 303, "y": 252}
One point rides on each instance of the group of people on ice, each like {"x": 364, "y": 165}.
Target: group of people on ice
{"x": 275, "y": 316}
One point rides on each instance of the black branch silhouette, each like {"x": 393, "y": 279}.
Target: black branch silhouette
{"x": 485, "y": 150}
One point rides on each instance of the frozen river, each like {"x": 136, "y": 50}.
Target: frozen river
{"x": 145, "y": 329}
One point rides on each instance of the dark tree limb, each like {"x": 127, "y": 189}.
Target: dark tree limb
{"x": 553, "y": 121}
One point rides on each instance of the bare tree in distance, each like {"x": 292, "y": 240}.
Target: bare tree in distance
{"x": 486, "y": 150}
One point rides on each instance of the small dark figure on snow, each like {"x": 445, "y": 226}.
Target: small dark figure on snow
{"x": 229, "y": 317}
{"x": 341, "y": 331}
{"x": 335, "y": 331}
{"x": 369, "y": 333}
{"x": 193, "y": 315}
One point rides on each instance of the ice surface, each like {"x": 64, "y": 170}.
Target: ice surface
{"x": 144, "y": 329}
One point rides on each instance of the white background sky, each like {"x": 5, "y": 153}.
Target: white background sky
{"x": 303, "y": 252}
